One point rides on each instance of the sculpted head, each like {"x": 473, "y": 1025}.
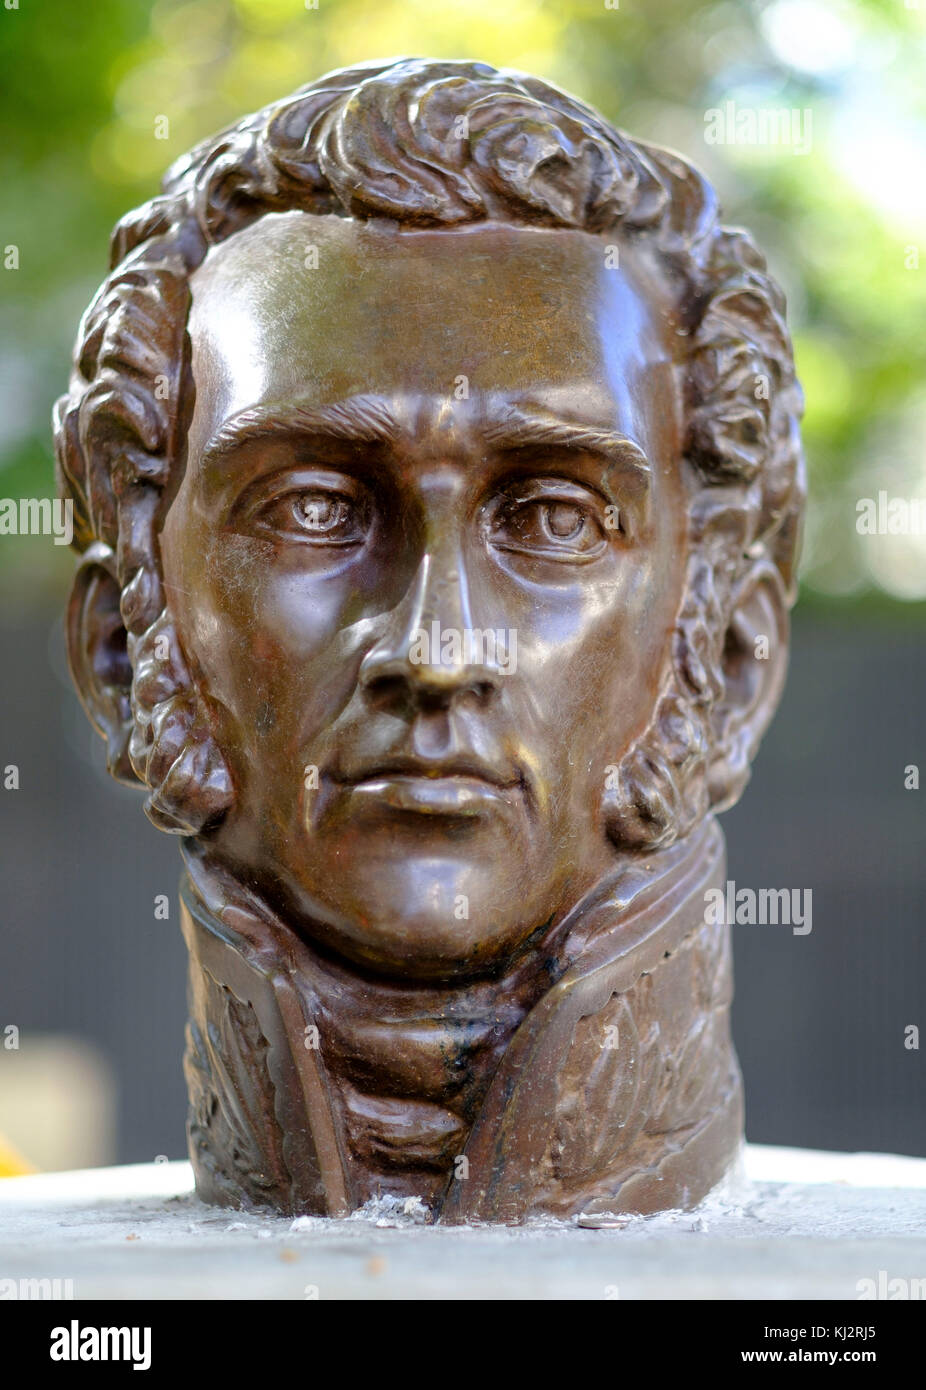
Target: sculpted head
{"x": 437, "y": 480}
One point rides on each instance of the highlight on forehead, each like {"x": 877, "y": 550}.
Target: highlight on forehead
{"x": 384, "y": 141}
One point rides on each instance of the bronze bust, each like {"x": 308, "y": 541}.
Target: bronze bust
{"x": 437, "y": 484}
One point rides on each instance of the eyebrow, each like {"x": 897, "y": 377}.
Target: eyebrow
{"x": 519, "y": 429}
{"x": 360, "y": 419}
{"x": 367, "y": 419}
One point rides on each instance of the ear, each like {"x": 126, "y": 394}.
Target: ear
{"x": 98, "y": 659}
{"x": 754, "y": 663}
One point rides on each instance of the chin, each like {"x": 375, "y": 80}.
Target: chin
{"x": 429, "y": 918}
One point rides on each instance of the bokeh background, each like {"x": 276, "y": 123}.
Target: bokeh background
{"x": 89, "y": 976}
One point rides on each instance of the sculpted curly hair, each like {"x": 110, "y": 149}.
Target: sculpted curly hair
{"x": 436, "y": 144}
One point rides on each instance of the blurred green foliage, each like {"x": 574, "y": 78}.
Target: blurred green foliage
{"x": 843, "y": 221}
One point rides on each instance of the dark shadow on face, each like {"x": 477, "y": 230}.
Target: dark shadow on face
{"x": 426, "y": 558}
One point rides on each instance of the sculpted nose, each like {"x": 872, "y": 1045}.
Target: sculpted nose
{"x": 431, "y": 651}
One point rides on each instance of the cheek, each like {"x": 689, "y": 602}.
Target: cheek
{"x": 605, "y": 646}
{"x": 264, "y": 640}
{"x": 600, "y": 691}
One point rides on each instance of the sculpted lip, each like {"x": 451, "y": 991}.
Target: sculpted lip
{"x": 458, "y": 786}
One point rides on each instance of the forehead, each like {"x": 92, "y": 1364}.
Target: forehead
{"x": 324, "y": 308}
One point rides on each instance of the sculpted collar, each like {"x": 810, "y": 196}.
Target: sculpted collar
{"x": 582, "y": 1078}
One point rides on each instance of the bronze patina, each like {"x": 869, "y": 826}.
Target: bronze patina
{"x": 435, "y": 462}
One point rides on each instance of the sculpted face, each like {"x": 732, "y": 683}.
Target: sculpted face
{"x": 426, "y": 558}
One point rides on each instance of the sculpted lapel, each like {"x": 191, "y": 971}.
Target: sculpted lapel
{"x": 607, "y": 1096}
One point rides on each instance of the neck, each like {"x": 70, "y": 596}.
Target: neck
{"x": 407, "y": 1070}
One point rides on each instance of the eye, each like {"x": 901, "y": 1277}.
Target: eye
{"x": 554, "y": 521}
{"x": 317, "y": 515}
{"x": 562, "y": 520}
{"x": 322, "y": 515}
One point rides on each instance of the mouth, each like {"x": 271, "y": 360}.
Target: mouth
{"x": 461, "y": 787}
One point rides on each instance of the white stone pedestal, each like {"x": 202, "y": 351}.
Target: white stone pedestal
{"x": 795, "y": 1224}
